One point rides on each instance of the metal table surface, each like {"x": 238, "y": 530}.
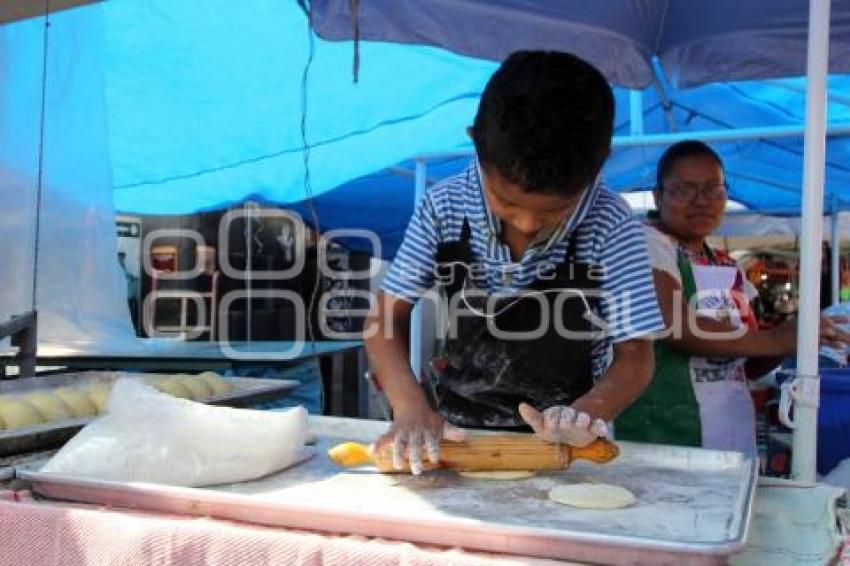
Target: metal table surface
{"x": 693, "y": 505}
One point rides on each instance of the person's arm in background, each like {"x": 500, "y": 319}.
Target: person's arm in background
{"x": 726, "y": 340}
{"x": 387, "y": 338}
{"x": 765, "y": 347}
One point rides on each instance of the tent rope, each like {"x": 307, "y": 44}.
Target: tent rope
{"x": 308, "y": 193}
{"x": 40, "y": 154}
{"x": 353, "y": 10}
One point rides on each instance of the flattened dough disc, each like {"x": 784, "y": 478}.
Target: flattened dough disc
{"x": 499, "y": 475}
{"x": 592, "y": 496}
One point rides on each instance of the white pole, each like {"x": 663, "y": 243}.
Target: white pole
{"x": 421, "y": 182}
{"x": 836, "y": 253}
{"x": 814, "y": 149}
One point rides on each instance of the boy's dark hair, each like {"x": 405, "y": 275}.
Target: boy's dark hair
{"x": 681, "y": 150}
{"x": 545, "y": 121}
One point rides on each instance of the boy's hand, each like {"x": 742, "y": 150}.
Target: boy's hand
{"x": 413, "y": 426}
{"x": 563, "y": 424}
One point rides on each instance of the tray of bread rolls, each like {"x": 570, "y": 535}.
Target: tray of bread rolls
{"x": 45, "y": 411}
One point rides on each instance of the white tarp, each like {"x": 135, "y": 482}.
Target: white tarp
{"x": 81, "y": 290}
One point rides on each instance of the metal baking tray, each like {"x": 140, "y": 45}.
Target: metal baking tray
{"x": 693, "y": 505}
{"x": 247, "y": 392}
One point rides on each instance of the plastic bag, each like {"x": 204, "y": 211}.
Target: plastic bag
{"x": 148, "y": 436}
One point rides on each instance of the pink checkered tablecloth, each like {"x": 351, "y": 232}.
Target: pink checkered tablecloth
{"x": 791, "y": 525}
{"x": 45, "y": 533}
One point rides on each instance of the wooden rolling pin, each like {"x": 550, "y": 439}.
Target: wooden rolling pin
{"x": 485, "y": 453}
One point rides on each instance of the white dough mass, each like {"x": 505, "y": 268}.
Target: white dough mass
{"x": 592, "y": 496}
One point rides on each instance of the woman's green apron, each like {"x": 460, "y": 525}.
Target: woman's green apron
{"x": 692, "y": 400}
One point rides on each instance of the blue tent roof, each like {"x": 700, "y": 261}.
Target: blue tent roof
{"x": 695, "y": 43}
{"x": 204, "y": 104}
{"x": 204, "y": 101}
{"x": 764, "y": 175}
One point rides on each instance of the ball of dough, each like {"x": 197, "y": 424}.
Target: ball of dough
{"x": 51, "y": 407}
{"x": 3, "y": 399}
{"x": 499, "y": 475}
{"x": 219, "y": 385}
{"x": 198, "y": 388}
{"x": 78, "y": 402}
{"x": 98, "y": 394}
{"x": 17, "y": 413}
{"x": 173, "y": 387}
{"x": 592, "y": 496}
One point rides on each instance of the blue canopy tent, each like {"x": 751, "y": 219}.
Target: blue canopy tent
{"x": 764, "y": 173}
{"x": 725, "y": 40}
{"x": 206, "y": 105}
{"x": 222, "y": 124}
{"x": 238, "y": 151}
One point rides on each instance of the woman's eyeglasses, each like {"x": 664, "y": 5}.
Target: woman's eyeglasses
{"x": 688, "y": 192}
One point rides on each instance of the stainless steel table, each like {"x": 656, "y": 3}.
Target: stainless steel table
{"x": 693, "y": 506}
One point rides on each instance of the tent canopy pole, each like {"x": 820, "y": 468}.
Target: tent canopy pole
{"x": 835, "y": 271}
{"x": 814, "y": 150}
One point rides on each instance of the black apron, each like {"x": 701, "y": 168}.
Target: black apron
{"x": 480, "y": 379}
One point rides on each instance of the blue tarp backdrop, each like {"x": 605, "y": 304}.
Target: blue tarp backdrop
{"x": 205, "y": 104}
{"x": 81, "y": 292}
{"x": 204, "y": 108}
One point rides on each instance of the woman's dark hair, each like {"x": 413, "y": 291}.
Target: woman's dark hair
{"x": 545, "y": 121}
{"x": 681, "y": 150}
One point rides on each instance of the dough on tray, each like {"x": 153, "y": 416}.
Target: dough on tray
{"x": 198, "y": 387}
{"x": 77, "y": 401}
{"x": 173, "y": 387}
{"x": 17, "y": 413}
{"x": 219, "y": 385}
{"x": 592, "y": 496}
{"x": 49, "y": 405}
{"x": 98, "y": 393}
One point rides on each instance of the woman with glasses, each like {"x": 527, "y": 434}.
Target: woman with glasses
{"x": 699, "y": 394}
